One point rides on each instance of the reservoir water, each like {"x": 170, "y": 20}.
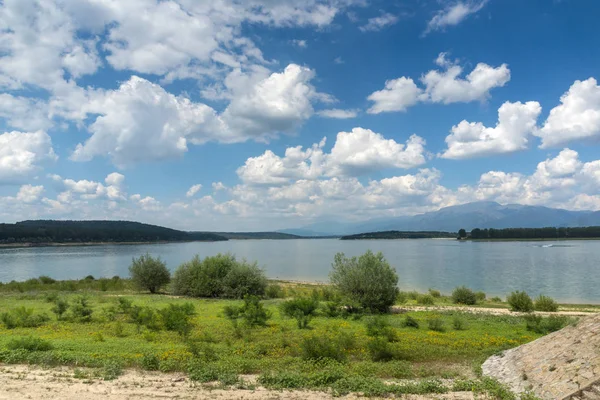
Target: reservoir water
{"x": 568, "y": 270}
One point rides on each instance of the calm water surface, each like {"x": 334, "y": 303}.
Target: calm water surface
{"x": 568, "y": 271}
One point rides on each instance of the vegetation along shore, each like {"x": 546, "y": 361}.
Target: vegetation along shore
{"x": 220, "y": 321}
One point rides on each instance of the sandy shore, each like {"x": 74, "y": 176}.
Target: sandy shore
{"x": 492, "y": 311}
{"x": 31, "y": 382}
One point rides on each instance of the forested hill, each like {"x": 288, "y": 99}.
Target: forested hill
{"x": 48, "y": 231}
{"x": 590, "y": 232}
{"x": 257, "y": 235}
{"x": 400, "y": 235}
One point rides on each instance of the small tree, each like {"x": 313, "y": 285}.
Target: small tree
{"x": 520, "y": 301}
{"x": 464, "y": 295}
{"x": 545, "y": 303}
{"x": 462, "y": 234}
{"x": 149, "y": 273}
{"x": 302, "y": 309}
{"x": 367, "y": 280}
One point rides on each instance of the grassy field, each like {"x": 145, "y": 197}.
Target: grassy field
{"x": 336, "y": 353}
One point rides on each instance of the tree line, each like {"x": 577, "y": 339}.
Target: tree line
{"x": 536, "y": 233}
{"x": 50, "y": 231}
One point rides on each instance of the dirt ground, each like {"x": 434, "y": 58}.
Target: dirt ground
{"x": 492, "y": 311}
{"x": 32, "y": 382}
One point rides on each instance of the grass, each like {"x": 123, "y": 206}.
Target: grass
{"x": 283, "y": 355}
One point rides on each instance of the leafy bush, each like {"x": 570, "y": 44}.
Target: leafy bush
{"x": 436, "y": 324}
{"x": 464, "y": 295}
{"x": 545, "y": 303}
{"x": 459, "y": 324}
{"x": 177, "y": 318}
{"x": 410, "y": 322}
{"x": 301, "y": 309}
{"x": 219, "y": 276}
{"x": 81, "y": 310}
{"x": 111, "y": 370}
{"x": 149, "y": 273}
{"x": 426, "y": 300}
{"x": 379, "y": 326}
{"x": 252, "y": 312}
{"x": 401, "y": 297}
{"x": 480, "y": 296}
{"x": 46, "y": 280}
{"x": 380, "y": 350}
{"x": 496, "y": 299}
{"x": 520, "y": 301}
{"x": 435, "y": 293}
{"x": 150, "y": 362}
{"x": 331, "y": 309}
{"x": 29, "y": 343}
{"x": 553, "y": 323}
{"x": 316, "y": 347}
{"x": 275, "y": 292}
{"x": 60, "y": 307}
{"x": 367, "y": 280}
{"x": 22, "y": 317}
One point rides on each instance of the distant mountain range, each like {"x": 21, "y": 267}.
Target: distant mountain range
{"x": 483, "y": 214}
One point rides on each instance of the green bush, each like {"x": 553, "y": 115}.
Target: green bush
{"x": 367, "y": 280}
{"x": 380, "y": 350}
{"x": 401, "y": 297}
{"x": 378, "y": 326}
{"x": 252, "y": 312}
{"x": 436, "y": 324}
{"x": 46, "y": 280}
{"x": 316, "y": 347}
{"x": 435, "y": 293}
{"x": 545, "y": 303}
{"x": 219, "y": 276}
{"x": 22, "y": 317}
{"x": 60, "y": 308}
{"x": 145, "y": 316}
{"x": 149, "y": 273}
{"x": 426, "y": 300}
{"x": 301, "y": 309}
{"x": 459, "y": 324}
{"x": 410, "y": 322}
{"x": 520, "y": 301}
{"x": 480, "y": 296}
{"x": 177, "y": 318}
{"x": 553, "y": 323}
{"x": 111, "y": 370}
{"x": 274, "y": 291}
{"x": 150, "y": 362}
{"x": 496, "y": 299}
{"x": 464, "y": 295}
{"x": 81, "y": 311}
{"x": 29, "y": 343}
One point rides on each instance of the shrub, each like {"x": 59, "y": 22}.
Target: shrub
{"x": 145, "y": 316}
{"x": 29, "y": 343}
{"x": 520, "y": 301}
{"x": 464, "y": 295}
{"x": 410, "y": 322}
{"x": 22, "y": 317}
{"x": 459, "y": 323}
{"x": 426, "y": 300}
{"x": 219, "y": 276}
{"x": 316, "y": 347}
{"x": 46, "y": 280}
{"x": 332, "y": 309}
{"x": 150, "y": 362}
{"x": 435, "y": 293}
{"x": 149, "y": 273}
{"x": 545, "y": 303}
{"x": 367, "y": 280}
{"x": 380, "y": 350}
{"x": 553, "y": 323}
{"x": 436, "y": 324}
{"x": 480, "y": 296}
{"x": 378, "y": 326}
{"x": 252, "y": 312}
{"x": 81, "y": 310}
{"x": 111, "y": 370}
{"x": 177, "y": 318}
{"x": 275, "y": 292}
{"x": 51, "y": 297}
{"x": 302, "y": 310}
{"x": 401, "y": 297}
{"x": 60, "y": 307}
{"x": 496, "y": 299}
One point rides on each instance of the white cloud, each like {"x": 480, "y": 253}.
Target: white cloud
{"x": 445, "y": 86}
{"x": 398, "y": 95}
{"x": 454, "y": 14}
{"x": 576, "y": 118}
{"x": 218, "y": 186}
{"x": 91, "y": 190}
{"x": 24, "y": 113}
{"x": 29, "y": 193}
{"x": 147, "y": 203}
{"x": 23, "y": 153}
{"x": 516, "y": 122}
{"x": 193, "y": 190}
{"x": 338, "y": 60}
{"x": 378, "y": 23}
{"x": 299, "y": 43}
{"x": 337, "y": 113}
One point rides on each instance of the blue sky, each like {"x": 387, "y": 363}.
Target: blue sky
{"x": 261, "y": 114}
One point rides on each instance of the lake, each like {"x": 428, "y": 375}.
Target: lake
{"x": 568, "y": 271}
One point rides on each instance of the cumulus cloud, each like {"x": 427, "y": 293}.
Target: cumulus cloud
{"x": 354, "y": 153}
{"x": 23, "y": 153}
{"x": 576, "y": 118}
{"x": 454, "y": 14}
{"x": 440, "y": 86}
{"x": 29, "y": 193}
{"x": 516, "y": 122}
{"x": 378, "y": 23}
{"x": 147, "y": 203}
{"x": 193, "y": 190}
{"x": 113, "y": 188}
{"x": 24, "y": 113}
{"x": 337, "y": 113}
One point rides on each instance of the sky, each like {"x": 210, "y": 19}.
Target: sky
{"x": 248, "y": 115}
